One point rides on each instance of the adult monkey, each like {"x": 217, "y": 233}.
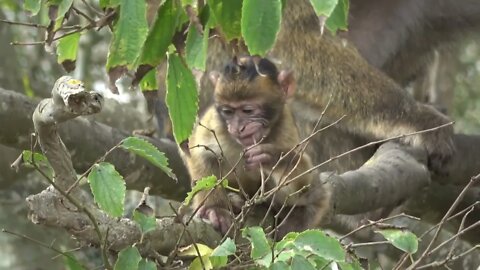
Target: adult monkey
{"x": 374, "y": 105}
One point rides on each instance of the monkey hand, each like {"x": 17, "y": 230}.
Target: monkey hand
{"x": 260, "y": 154}
{"x": 220, "y": 218}
{"x": 438, "y": 143}
{"x": 440, "y": 148}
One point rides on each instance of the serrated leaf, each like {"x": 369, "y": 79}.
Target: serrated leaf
{"x": 317, "y": 242}
{"x": 149, "y": 152}
{"x": 338, "y": 19}
{"x": 301, "y": 263}
{"x": 401, "y": 239}
{"x": 228, "y": 14}
{"x": 108, "y": 188}
{"x": 147, "y": 265}
{"x": 67, "y": 51}
{"x": 130, "y": 32}
{"x": 161, "y": 34}
{"x": 324, "y": 7}
{"x": 260, "y": 24}
{"x": 205, "y": 183}
{"x": 146, "y": 223}
{"x": 196, "y": 48}
{"x": 258, "y": 240}
{"x": 227, "y": 248}
{"x": 32, "y": 6}
{"x": 128, "y": 259}
{"x": 182, "y": 98}
{"x": 71, "y": 263}
{"x": 149, "y": 81}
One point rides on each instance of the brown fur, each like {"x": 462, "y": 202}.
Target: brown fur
{"x": 281, "y": 138}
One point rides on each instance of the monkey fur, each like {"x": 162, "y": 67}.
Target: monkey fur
{"x": 374, "y": 106}
{"x": 251, "y": 115}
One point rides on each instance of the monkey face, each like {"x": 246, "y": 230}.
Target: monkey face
{"x": 245, "y": 121}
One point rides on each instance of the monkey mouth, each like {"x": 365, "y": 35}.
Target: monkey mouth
{"x": 250, "y": 139}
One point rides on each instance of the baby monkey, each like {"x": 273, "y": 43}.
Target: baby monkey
{"x": 251, "y": 117}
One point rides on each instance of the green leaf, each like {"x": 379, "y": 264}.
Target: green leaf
{"x": 205, "y": 183}
{"x": 67, "y": 47}
{"x": 260, "y": 24}
{"x": 67, "y": 51}
{"x": 350, "y": 266}
{"x": 146, "y": 223}
{"x": 182, "y": 98}
{"x": 161, "y": 34}
{"x": 32, "y": 6}
{"x": 320, "y": 262}
{"x": 227, "y": 248}
{"x": 196, "y": 48}
{"x": 218, "y": 261}
{"x": 128, "y": 259}
{"x": 108, "y": 188}
{"x": 71, "y": 263}
{"x": 401, "y": 239}
{"x": 317, "y": 242}
{"x": 109, "y": 3}
{"x": 324, "y": 7}
{"x": 146, "y": 265}
{"x": 227, "y": 15}
{"x": 279, "y": 266}
{"x": 149, "y": 81}
{"x": 338, "y": 20}
{"x": 285, "y": 255}
{"x": 63, "y": 7}
{"x": 191, "y": 250}
{"x": 257, "y": 238}
{"x": 300, "y": 263}
{"x": 219, "y": 256}
{"x": 149, "y": 152}
{"x": 197, "y": 265}
{"x": 53, "y": 2}
{"x": 39, "y": 159}
{"x": 130, "y": 32}
{"x": 287, "y": 241}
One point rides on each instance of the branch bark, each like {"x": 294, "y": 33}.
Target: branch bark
{"x": 394, "y": 170}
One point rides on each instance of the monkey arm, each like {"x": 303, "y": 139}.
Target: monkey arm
{"x": 288, "y": 168}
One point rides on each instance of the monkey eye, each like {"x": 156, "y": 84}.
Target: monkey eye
{"x": 247, "y": 111}
{"x": 226, "y": 111}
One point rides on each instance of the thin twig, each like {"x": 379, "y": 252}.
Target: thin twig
{"x": 368, "y": 145}
{"x": 48, "y": 246}
{"x": 36, "y": 25}
{"x": 189, "y": 235}
{"x": 366, "y": 244}
{"x": 444, "y": 219}
{"x": 372, "y": 223}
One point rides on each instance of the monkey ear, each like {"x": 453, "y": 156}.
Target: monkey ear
{"x": 213, "y": 76}
{"x": 287, "y": 83}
